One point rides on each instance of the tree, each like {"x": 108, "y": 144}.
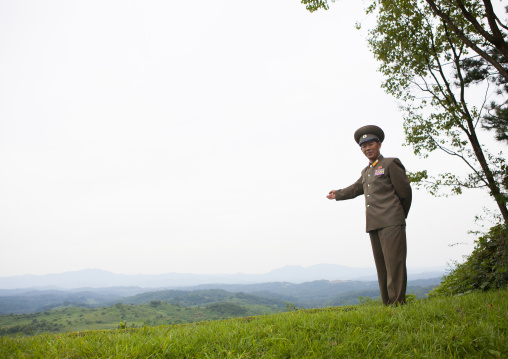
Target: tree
{"x": 492, "y": 49}
{"x": 436, "y": 57}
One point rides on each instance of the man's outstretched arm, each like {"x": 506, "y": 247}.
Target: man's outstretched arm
{"x": 352, "y": 191}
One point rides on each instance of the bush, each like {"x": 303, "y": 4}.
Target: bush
{"x": 486, "y": 268}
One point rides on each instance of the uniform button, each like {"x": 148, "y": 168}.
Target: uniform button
{"x": 368, "y": 185}
{"x": 368, "y": 195}
{"x": 368, "y": 205}
{"x": 369, "y": 174}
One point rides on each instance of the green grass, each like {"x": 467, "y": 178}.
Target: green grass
{"x": 469, "y": 326}
{"x": 73, "y": 319}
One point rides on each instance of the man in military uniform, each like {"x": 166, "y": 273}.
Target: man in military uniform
{"x": 387, "y": 201}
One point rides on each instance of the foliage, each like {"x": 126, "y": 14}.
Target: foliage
{"x": 291, "y": 307}
{"x": 149, "y": 314}
{"x": 229, "y": 309}
{"x": 313, "y": 5}
{"x": 173, "y": 307}
{"x": 274, "y": 294}
{"x": 34, "y": 301}
{"x": 200, "y": 297}
{"x": 443, "y": 59}
{"x": 429, "y": 67}
{"x": 37, "y": 301}
{"x": 469, "y": 326}
{"x": 497, "y": 120}
{"x": 486, "y": 268}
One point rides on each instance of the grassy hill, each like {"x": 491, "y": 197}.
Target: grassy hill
{"x": 469, "y": 326}
{"x": 85, "y": 312}
{"x": 200, "y": 297}
{"x": 148, "y": 309}
{"x": 316, "y": 294}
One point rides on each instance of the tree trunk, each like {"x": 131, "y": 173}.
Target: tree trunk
{"x": 495, "y": 190}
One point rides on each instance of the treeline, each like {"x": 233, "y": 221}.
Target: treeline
{"x": 322, "y": 293}
{"x": 166, "y": 307}
{"x": 212, "y": 305}
{"x": 200, "y": 297}
{"x": 316, "y": 294}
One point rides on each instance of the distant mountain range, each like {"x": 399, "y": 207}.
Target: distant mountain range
{"x": 315, "y": 294}
{"x": 96, "y": 278}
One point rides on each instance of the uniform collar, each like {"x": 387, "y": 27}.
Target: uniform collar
{"x": 376, "y": 161}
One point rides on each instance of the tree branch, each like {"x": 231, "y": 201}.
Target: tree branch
{"x": 502, "y": 71}
{"x": 456, "y": 57}
{"x": 501, "y": 24}
{"x": 497, "y": 38}
{"x": 453, "y": 153}
{"x": 483, "y": 104}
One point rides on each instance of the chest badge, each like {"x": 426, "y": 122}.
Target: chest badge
{"x": 380, "y": 171}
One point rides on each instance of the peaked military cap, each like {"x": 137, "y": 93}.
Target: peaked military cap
{"x": 369, "y": 133}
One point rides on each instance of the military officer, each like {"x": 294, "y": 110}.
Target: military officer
{"x": 387, "y": 201}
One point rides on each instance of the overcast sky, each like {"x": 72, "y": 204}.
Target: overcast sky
{"x": 198, "y": 136}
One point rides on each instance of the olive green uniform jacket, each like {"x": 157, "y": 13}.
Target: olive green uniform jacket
{"x": 387, "y": 193}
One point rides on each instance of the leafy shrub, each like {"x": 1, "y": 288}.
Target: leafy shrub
{"x": 291, "y": 307}
{"x": 486, "y": 268}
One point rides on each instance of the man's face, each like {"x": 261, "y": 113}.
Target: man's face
{"x": 371, "y": 150}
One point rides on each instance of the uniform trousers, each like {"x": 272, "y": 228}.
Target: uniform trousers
{"x": 390, "y": 250}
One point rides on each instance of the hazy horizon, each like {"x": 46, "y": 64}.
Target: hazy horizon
{"x": 410, "y": 268}
{"x": 198, "y": 137}
{"x": 97, "y": 278}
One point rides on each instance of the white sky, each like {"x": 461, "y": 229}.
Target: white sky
{"x": 196, "y": 136}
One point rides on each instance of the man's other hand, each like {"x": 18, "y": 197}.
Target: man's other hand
{"x": 331, "y": 195}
